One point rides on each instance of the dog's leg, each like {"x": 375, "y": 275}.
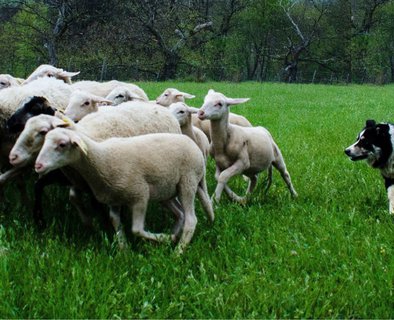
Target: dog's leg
{"x": 390, "y": 195}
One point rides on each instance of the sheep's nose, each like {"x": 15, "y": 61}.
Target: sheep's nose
{"x": 201, "y": 114}
{"x": 13, "y": 158}
{"x": 38, "y": 166}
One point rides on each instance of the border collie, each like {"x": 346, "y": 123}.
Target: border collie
{"x": 375, "y": 144}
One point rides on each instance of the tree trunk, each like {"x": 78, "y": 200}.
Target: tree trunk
{"x": 51, "y": 47}
{"x": 170, "y": 67}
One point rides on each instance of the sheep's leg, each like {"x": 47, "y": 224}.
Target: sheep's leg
{"x": 21, "y": 185}
{"x": 233, "y": 196}
{"x": 79, "y": 203}
{"x": 114, "y": 214}
{"x": 206, "y": 203}
{"x": 139, "y": 211}
{"x": 269, "y": 179}
{"x": 186, "y": 196}
{"x": 177, "y": 210}
{"x": 38, "y": 216}
{"x": 280, "y": 165}
{"x": 227, "y": 189}
{"x": 237, "y": 168}
{"x": 252, "y": 184}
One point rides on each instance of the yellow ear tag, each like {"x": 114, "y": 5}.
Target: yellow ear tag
{"x": 67, "y": 121}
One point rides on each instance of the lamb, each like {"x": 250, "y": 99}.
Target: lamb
{"x": 6, "y": 80}
{"x": 102, "y": 89}
{"x": 127, "y": 120}
{"x": 172, "y": 95}
{"x": 183, "y": 113}
{"x": 151, "y": 167}
{"x": 82, "y": 103}
{"x": 239, "y": 150}
{"x": 47, "y": 70}
{"x": 122, "y": 94}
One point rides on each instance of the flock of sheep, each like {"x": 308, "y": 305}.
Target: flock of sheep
{"x": 108, "y": 140}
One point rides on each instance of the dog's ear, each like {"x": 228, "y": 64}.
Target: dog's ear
{"x": 370, "y": 124}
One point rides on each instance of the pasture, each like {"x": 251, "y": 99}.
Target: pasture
{"x": 327, "y": 254}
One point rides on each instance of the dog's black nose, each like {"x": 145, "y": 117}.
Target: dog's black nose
{"x": 347, "y": 151}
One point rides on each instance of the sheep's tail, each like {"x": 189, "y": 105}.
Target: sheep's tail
{"x": 202, "y": 193}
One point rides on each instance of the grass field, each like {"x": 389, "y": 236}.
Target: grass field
{"x": 327, "y": 254}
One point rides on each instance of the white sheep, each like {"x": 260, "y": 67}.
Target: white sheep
{"x": 47, "y": 70}
{"x": 122, "y": 94}
{"x": 102, "y": 89}
{"x": 130, "y": 172}
{"x": 183, "y": 114}
{"x": 127, "y": 120}
{"x": 239, "y": 150}
{"x": 6, "y": 80}
{"x": 172, "y": 95}
{"x": 82, "y": 103}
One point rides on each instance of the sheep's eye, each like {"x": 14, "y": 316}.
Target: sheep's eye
{"x": 166, "y": 94}
{"x": 62, "y": 145}
{"x": 181, "y": 112}
{"x": 50, "y": 75}
{"x": 43, "y": 132}
{"x": 86, "y": 103}
{"x": 219, "y": 104}
{"x": 120, "y": 96}
{"x": 3, "y": 83}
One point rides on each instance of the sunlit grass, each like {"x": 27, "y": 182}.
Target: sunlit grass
{"x": 327, "y": 254}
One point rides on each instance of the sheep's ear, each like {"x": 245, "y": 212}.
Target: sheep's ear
{"x": 193, "y": 110}
{"x": 78, "y": 142}
{"x": 19, "y": 80}
{"x": 231, "y": 101}
{"x": 69, "y": 74}
{"x": 186, "y": 95}
{"x": 100, "y": 100}
{"x": 211, "y": 91}
{"x": 132, "y": 95}
{"x": 66, "y": 76}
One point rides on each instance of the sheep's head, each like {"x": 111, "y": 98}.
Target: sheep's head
{"x": 62, "y": 147}
{"x": 32, "y": 138}
{"x": 216, "y": 105}
{"x": 122, "y": 94}
{"x": 172, "y": 95}
{"x": 47, "y": 70}
{"x": 7, "y": 80}
{"x": 31, "y": 107}
{"x": 82, "y": 103}
{"x": 182, "y": 112}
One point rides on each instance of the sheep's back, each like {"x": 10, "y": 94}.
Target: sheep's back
{"x": 129, "y": 119}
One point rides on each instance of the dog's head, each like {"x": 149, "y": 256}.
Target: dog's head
{"x": 373, "y": 144}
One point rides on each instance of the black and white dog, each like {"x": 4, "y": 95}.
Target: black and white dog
{"x": 375, "y": 144}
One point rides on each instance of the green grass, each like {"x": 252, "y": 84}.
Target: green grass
{"x": 327, "y": 254}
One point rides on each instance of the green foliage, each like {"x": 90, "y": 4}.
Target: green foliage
{"x": 326, "y": 254}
